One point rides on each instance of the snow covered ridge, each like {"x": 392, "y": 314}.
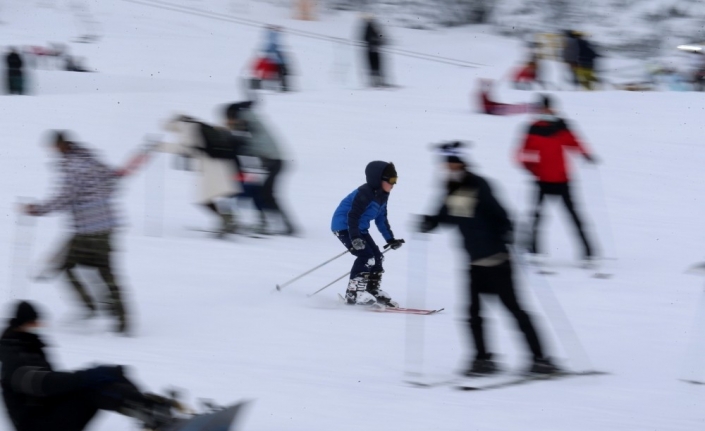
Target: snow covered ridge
{"x": 631, "y": 27}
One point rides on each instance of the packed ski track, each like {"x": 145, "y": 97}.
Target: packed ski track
{"x": 208, "y": 317}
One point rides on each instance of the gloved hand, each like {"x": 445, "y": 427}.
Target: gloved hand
{"x": 358, "y": 244}
{"x": 102, "y": 374}
{"x": 427, "y": 224}
{"x": 508, "y": 237}
{"x": 591, "y": 159}
{"x": 394, "y": 244}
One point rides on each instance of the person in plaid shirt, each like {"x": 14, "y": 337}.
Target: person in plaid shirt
{"x": 86, "y": 191}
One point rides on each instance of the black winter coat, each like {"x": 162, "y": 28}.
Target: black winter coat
{"x": 14, "y": 64}
{"x": 29, "y": 383}
{"x": 371, "y": 36}
{"x": 483, "y": 222}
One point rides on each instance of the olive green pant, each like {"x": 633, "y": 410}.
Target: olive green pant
{"x": 94, "y": 251}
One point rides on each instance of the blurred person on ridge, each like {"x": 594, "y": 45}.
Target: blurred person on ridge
{"x": 15, "y": 72}
{"x": 37, "y": 397}
{"x": 86, "y": 190}
{"x": 486, "y": 229}
{"x": 372, "y": 39}
{"x": 351, "y": 223}
{"x": 543, "y": 154}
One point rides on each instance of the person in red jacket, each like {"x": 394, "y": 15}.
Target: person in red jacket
{"x": 491, "y": 107}
{"x": 543, "y": 153}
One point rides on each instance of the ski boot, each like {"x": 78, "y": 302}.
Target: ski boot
{"x": 482, "y": 367}
{"x": 357, "y": 294}
{"x": 544, "y": 366}
{"x": 155, "y": 412}
{"x": 380, "y": 295}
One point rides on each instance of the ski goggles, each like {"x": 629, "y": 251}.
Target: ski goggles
{"x": 391, "y": 180}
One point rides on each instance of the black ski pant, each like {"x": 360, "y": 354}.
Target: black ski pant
{"x": 497, "y": 281}
{"x": 274, "y": 167}
{"x": 73, "y": 412}
{"x": 561, "y": 190}
{"x": 374, "y": 62}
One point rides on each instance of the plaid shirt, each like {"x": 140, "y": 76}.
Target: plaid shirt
{"x": 86, "y": 191}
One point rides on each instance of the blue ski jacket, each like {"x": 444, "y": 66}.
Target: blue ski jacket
{"x": 366, "y": 203}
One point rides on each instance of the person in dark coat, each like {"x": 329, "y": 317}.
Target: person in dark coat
{"x": 586, "y": 62}
{"x": 373, "y": 40}
{"x": 15, "y": 73}
{"x": 543, "y": 154}
{"x": 351, "y": 222}
{"x": 487, "y": 230}
{"x": 39, "y": 398}
{"x": 570, "y": 55}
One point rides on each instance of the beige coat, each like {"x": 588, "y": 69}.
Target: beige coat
{"x": 218, "y": 176}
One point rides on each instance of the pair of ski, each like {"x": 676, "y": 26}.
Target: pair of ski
{"x": 483, "y": 383}
{"x": 378, "y": 308}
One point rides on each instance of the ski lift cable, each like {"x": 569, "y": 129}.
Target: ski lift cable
{"x": 254, "y": 23}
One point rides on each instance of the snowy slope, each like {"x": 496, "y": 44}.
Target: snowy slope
{"x": 207, "y": 317}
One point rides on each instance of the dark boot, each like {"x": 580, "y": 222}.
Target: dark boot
{"x": 482, "y": 367}
{"x": 544, "y": 366}
{"x": 155, "y": 412}
{"x": 382, "y": 297}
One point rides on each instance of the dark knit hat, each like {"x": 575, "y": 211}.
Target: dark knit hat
{"x": 25, "y": 313}
{"x": 452, "y": 151}
{"x": 389, "y": 172}
{"x": 232, "y": 111}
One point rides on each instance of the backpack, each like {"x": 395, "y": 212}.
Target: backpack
{"x": 217, "y": 143}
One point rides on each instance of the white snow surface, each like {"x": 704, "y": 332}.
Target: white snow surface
{"x": 205, "y": 312}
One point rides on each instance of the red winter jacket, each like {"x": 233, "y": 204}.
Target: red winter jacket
{"x": 543, "y": 152}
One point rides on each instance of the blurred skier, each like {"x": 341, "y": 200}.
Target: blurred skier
{"x": 373, "y": 40}
{"x": 486, "y": 229}
{"x": 15, "y": 73}
{"x": 259, "y": 141}
{"x": 492, "y": 107}
{"x": 351, "y": 221}
{"x": 543, "y": 155}
{"x": 86, "y": 190}
{"x": 586, "y": 62}
{"x": 214, "y": 150}
{"x": 39, "y": 398}
{"x": 274, "y": 53}
{"x": 570, "y": 55}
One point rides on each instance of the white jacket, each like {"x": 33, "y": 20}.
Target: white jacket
{"x": 218, "y": 176}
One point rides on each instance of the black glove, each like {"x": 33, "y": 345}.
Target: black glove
{"x": 508, "y": 237}
{"x": 103, "y": 374}
{"x": 394, "y": 244}
{"x": 591, "y": 159}
{"x": 358, "y": 244}
{"x": 427, "y": 224}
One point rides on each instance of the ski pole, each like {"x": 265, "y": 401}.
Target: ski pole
{"x": 22, "y": 249}
{"x": 283, "y": 285}
{"x": 561, "y": 323}
{"x": 337, "y": 279}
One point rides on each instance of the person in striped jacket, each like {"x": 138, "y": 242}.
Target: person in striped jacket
{"x": 85, "y": 191}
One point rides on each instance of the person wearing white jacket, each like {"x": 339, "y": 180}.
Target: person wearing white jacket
{"x": 217, "y": 175}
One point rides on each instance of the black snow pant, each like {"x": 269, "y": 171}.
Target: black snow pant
{"x": 15, "y": 82}
{"x": 73, "y": 412}
{"x": 269, "y": 201}
{"x": 563, "y": 191}
{"x": 95, "y": 251}
{"x": 497, "y": 280}
{"x": 374, "y": 63}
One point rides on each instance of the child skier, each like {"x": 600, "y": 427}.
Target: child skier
{"x": 350, "y": 224}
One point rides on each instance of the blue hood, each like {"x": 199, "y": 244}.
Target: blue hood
{"x": 373, "y": 173}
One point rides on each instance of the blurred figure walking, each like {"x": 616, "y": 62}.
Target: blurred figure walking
{"x": 86, "y": 191}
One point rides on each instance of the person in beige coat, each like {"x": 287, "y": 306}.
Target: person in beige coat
{"x": 218, "y": 176}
